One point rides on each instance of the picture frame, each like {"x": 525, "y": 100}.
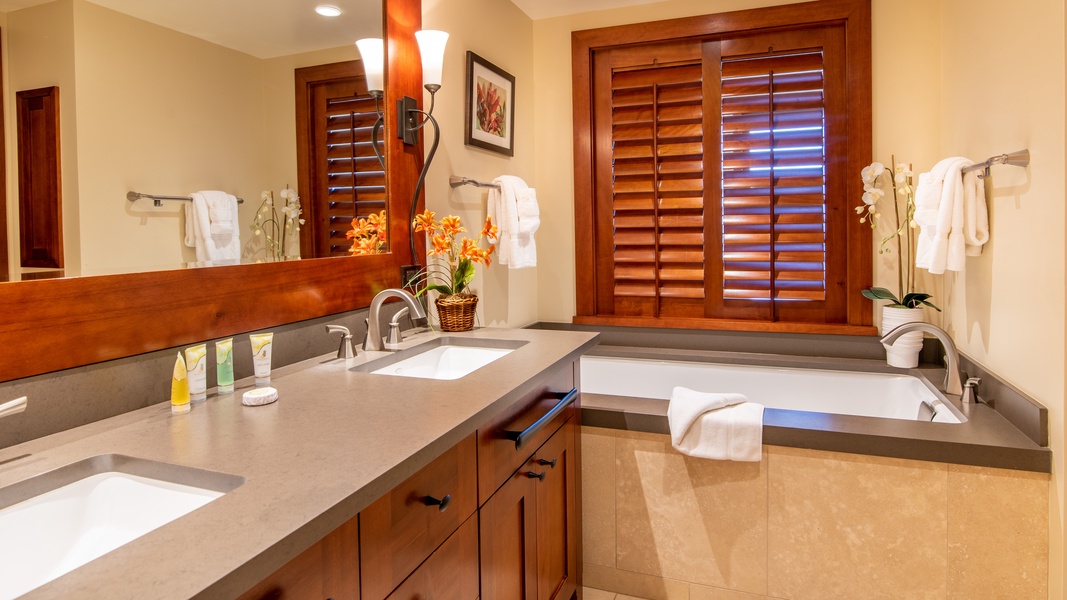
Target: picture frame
{"x": 490, "y": 106}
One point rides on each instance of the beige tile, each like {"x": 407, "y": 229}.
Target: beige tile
{"x": 589, "y": 593}
{"x": 634, "y": 585}
{"x": 702, "y": 592}
{"x": 849, "y": 526}
{"x": 997, "y": 533}
{"x": 692, "y": 520}
{"x": 598, "y": 496}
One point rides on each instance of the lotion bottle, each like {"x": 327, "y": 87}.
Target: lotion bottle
{"x": 179, "y": 388}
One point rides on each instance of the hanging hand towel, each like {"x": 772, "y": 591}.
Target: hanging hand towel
{"x": 507, "y": 207}
{"x": 952, "y": 216}
{"x": 715, "y": 426}
{"x": 198, "y": 228}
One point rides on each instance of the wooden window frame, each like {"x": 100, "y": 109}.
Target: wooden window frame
{"x": 855, "y": 17}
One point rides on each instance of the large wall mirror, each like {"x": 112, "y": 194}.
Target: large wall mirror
{"x": 52, "y": 324}
{"x": 169, "y": 98}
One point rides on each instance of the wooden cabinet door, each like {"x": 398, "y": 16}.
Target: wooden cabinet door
{"x": 451, "y": 572}
{"x": 328, "y": 569}
{"x": 557, "y": 535}
{"x": 509, "y": 540}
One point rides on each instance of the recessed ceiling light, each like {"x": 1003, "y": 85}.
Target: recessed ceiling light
{"x": 328, "y": 11}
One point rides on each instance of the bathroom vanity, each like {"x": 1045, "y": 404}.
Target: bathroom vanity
{"x": 356, "y": 484}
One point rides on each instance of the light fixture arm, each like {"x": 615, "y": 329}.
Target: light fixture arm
{"x": 374, "y": 132}
{"x": 409, "y": 118}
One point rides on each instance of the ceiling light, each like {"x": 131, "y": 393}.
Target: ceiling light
{"x": 328, "y": 11}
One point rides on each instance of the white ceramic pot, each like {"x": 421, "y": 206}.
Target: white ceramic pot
{"x": 903, "y": 353}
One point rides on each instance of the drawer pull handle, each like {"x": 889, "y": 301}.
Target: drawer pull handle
{"x": 532, "y": 475}
{"x": 521, "y": 437}
{"x": 442, "y": 504}
{"x": 551, "y": 464}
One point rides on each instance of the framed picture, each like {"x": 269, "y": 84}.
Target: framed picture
{"x": 490, "y": 106}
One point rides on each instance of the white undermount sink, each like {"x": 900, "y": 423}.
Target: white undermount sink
{"x": 63, "y": 519}
{"x": 444, "y": 358}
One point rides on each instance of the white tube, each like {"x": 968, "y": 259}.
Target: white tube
{"x": 196, "y": 359}
{"x": 261, "y": 350}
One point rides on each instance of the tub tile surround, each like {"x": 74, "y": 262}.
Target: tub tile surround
{"x": 807, "y": 525}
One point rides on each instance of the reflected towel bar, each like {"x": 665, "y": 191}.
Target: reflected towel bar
{"x": 158, "y": 200}
{"x": 1016, "y": 159}
{"x": 456, "y": 182}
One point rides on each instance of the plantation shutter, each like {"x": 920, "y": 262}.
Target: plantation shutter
{"x": 654, "y": 181}
{"x": 346, "y": 180}
{"x": 717, "y": 168}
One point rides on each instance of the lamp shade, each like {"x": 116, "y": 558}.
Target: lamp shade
{"x": 372, "y": 50}
{"x": 432, "y": 48}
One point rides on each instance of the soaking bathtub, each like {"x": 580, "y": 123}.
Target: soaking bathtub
{"x": 866, "y": 394}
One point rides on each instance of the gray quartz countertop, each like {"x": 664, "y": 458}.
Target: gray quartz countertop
{"x": 336, "y": 440}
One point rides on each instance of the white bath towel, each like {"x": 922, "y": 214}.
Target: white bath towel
{"x": 715, "y": 426}
{"x": 952, "y": 216}
{"x": 222, "y": 210}
{"x": 513, "y": 207}
{"x": 198, "y": 229}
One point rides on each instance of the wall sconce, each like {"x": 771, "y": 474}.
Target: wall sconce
{"x": 432, "y": 49}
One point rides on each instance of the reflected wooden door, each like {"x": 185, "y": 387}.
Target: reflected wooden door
{"x": 340, "y": 178}
{"x": 40, "y": 196}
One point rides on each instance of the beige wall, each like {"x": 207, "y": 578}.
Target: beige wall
{"x": 939, "y": 90}
{"x": 158, "y": 112}
{"x": 502, "y": 34}
{"x": 44, "y": 36}
{"x": 1004, "y": 91}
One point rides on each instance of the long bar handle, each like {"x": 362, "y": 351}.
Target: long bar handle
{"x": 158, "y": 200}
{"x": 521, "y": 437}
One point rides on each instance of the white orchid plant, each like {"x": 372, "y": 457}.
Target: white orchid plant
{"x": 901, "y": 181}
{"x": 274, "y": 228}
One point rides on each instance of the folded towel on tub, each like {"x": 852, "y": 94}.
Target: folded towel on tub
{"x": 715, "y": 426}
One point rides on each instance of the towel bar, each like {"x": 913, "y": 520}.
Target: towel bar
{"x": 158, "y": 200}
{"x": 456, "y": 182}
{"x": 1016, "y": 159}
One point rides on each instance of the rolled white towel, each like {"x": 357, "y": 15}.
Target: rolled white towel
{"x": 715, "y": 426}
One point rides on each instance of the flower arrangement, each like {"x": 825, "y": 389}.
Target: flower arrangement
{"x": 369, "y": 235}
{"x": 460, "y": 254}
{"x": 875, "y": 178}
{"x": 276, "y": 229}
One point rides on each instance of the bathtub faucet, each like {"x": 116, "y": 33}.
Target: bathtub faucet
{"x": 953, "y": 384}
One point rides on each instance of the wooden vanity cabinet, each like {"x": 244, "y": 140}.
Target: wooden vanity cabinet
{"x": 328, "y": 570}
{"x": 529, "y": 527}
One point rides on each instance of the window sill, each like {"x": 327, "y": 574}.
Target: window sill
{"x": 728, "y": 325}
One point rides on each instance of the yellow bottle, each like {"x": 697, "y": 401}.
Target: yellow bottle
{"x": 179, "y": 388}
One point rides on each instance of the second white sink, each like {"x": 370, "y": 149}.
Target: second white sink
{"x": 448, "y": 357}
{"x": 83, "y": 511}
{"x": 444, "y": 362}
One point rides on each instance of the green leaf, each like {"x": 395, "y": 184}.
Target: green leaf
{"x": 443, "y": 289}
{"x": 463, "y": 275}
{"x": 931, "y": 305}
{"x": 878, "y": 293}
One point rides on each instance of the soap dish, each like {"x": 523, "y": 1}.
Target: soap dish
{"x": 259, "y": 396}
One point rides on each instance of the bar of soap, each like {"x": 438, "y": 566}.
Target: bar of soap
{"x": 259, "y": 396}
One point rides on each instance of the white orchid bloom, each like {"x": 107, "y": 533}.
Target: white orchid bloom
{"x": 871, "y": 197}
{"x": 288, "y": 194}
{"x": 872, "y": 172}
{"x": 265, "y": 196}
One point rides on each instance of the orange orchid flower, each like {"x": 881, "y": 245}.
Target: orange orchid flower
{"x": 425, "y": 222}
{"x": 452, "y": 225}
{"x": 489, "y": 230}
{"x": 441, "y": 244}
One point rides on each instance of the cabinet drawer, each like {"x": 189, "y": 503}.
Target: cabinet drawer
{"x": 403, "y": 527}
{"x": 499, "y": 453}
{"x": 451, "y": 573}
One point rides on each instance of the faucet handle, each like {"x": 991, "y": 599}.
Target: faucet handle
{"x": 970, "y": 396}
{"x": 345, "y": 350}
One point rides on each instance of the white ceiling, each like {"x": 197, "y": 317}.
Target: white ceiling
{"x": 269, "y": 28}
{"x": 262, "y": 28}
{"x": 544, "y": 9}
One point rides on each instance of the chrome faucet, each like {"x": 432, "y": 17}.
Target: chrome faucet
{"x": 374, "y": 331}
{"x": 13, "y": 407}
{"x": 953, "y": 384}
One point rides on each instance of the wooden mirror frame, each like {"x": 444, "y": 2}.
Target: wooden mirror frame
{"x": 48, "y": 325}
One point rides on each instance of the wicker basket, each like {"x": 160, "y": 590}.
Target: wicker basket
{"x": 456, "y": 312}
